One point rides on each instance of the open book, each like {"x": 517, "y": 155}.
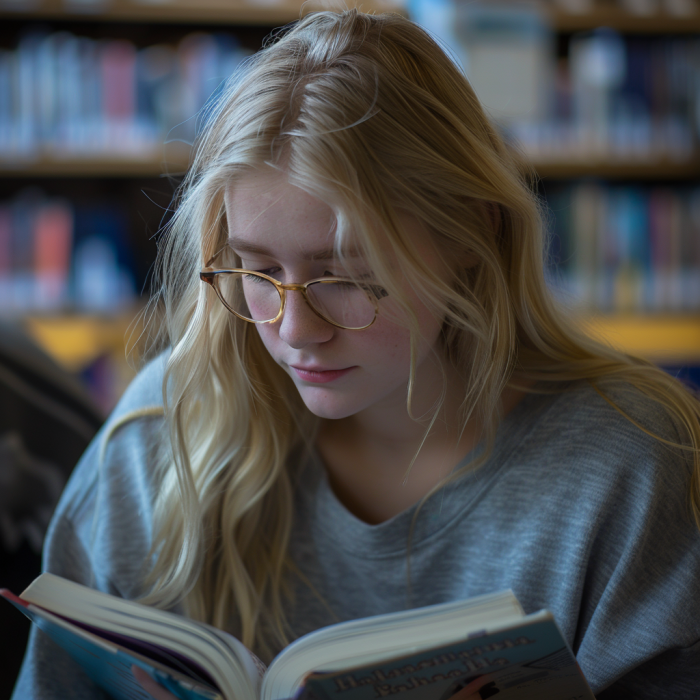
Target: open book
{"x": 484, "y": 645}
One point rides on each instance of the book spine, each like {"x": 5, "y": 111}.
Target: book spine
{"x": 58, "y": 257}
{"x": 628, "y": 249}
{"x": 117, "y": 60}
{"x": 52, "y": 252}
{"x": 65, "y": 95}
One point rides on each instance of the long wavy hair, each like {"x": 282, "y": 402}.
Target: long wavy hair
{"x": 367, "y": 113}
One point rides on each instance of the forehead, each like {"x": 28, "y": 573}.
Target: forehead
{"x": 266, "y": 213}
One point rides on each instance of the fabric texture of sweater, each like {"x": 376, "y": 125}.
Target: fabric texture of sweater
{"x": 576, "y": 510}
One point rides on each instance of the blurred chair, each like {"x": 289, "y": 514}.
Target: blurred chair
{"x": 46, "y": 422}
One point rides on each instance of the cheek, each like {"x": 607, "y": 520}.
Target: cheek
{"x": 269, "y": 337}
{"x": 382, "y": 340}
{"x": 394, "y": 338}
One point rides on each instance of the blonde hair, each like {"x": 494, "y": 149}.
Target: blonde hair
{"x": 368, "y": 114}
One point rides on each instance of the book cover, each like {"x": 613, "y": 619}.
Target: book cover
{"x": 108, "y": 663}
{"x": 527, "y": 663}
{"x": 484, "y": 644}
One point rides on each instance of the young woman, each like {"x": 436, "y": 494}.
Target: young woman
{"x": 367, "y": 398}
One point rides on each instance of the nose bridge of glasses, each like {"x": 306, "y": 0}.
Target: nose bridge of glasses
{"x": 293, "y": 287}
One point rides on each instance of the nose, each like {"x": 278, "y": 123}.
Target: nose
{"x": 300, "y": 326}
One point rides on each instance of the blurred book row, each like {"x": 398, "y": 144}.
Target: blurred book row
{"x": 608, "y": 96}
{"x": 56, "y": 256}
{"x": 643, "y": 8}
{"x": 599, "y": 96}
{"x": 64, "y": 95}
{"x": 626, "y": 248}
{"x": 614, "y": 249}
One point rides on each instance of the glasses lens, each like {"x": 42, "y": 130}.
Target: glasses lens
{"x": 250, "y": 296}
{"x": 344, "y": 303}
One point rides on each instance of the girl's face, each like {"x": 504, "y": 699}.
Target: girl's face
{"x": 281, "y": 230}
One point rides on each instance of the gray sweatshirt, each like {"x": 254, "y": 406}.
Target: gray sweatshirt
{"x": 576, "y": 510}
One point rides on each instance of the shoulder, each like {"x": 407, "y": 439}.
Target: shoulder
{"x": 607, "y": 427}
{"x": 130, "y": 434}
{"x": 139, "y": 410}
{"x": 627, "y": 483}
{"x": 105, "y": 513}
{"x": 605, "y": 460}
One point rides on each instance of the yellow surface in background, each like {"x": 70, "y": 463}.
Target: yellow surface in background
{"x": 76, "y": 341}
{"x": 673, "y": 340}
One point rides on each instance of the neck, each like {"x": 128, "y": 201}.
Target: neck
{"x": 368, "y": 455}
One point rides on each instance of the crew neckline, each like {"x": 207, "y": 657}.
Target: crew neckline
{"x": 389, "y": 538}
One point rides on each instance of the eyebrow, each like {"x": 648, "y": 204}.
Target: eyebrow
{"x": 242, "y": 246}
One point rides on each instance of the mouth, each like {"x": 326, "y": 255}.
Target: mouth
{"x": 320, "y": 376}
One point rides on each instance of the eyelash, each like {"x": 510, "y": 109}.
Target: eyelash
{"x": 269, "y": 272}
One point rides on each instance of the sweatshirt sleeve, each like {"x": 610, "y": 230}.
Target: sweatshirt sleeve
{"x": 639, "y": 627}
{"x": 100, "y": 534}
{"x": 48, "y": 672}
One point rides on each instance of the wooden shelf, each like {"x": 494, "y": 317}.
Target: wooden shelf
{"x": 173, "y": 161}
{"x": 626, "y": 22}
{"x": 671, "y": 340}
{"x": 620, "y": 169}
{"x": 91, "y": 167}
{"x": 170, "y": 159}
{"x": 253, "y": 12}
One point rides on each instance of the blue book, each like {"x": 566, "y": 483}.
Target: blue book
{"x": 477, "y": 648}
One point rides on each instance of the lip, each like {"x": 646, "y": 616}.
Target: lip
{"x": 316, "y": 375}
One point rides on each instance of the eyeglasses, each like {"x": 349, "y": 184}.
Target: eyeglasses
{"x": 257, "y": 298}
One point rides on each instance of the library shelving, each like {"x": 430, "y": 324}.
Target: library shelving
{"x": 152, "y": 163}
{"x": 175, "y": 163}
{"x": 238, "y": 12}
{"x": 143, "y": 177}
{"x": 606, "y": 14}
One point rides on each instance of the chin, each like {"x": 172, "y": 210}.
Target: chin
{"x": 330, "y": 410}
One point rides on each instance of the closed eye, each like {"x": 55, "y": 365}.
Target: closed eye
{"x": 270, "y": 272}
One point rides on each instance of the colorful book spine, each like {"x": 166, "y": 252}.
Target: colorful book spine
{"x": 65, "y": 96}
{"x": 603, "y": 97}
{"x": 57, "y": 257}
{"x": 626, "y": 248}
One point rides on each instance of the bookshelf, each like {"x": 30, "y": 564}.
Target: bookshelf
{"x": 238, "y": 12}
{"x": 77, "y": 338}
{"x": 175, "y": 163}
{"x": 641, "y": 170}
{"x": 610, "y": 15}
{"x": 152, "y": 163}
